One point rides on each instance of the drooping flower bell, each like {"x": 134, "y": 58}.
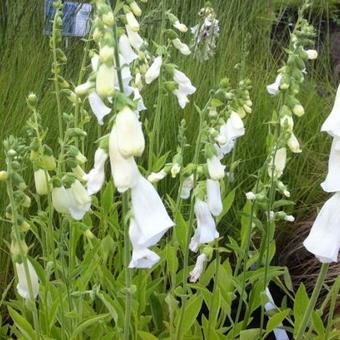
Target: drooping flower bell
{"x": 41, "y": 180}
{"x": 187, "y": 186}
{"x": 149, "y": 212}
{"x": 130, "y": 137}
{"x": 274, "y": 88}
{"x": 126, "y": 50}
{"x": 180, "y": 46}
{"x": 206, "y": 228}
{"x": 105, "y": 80}
{"x": 96, "y": 177}
{"x": 98, "y": 107}
{"x": 332, "y": 123}
{"x": 332, "y": 181}
{"x": 124, "y": 170}
{"x": 184, "y": 89}
{"x": 154, "y": 70}
{"x": 22, "y": 286}
{"x": 278, "y": 164}
{"x": 214, "y": 199}
{"x": 136, "y": 41}
{"x": 80, "y": 201}
{"x": 196, "y": 273}
{"x": 155, "y": 177}
{"x": 324, "y": 238}
{"x": 215, "y": 168}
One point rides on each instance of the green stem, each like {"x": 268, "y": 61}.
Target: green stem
{"x": 312, "y": 301}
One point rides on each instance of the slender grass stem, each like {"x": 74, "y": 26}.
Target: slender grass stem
{"x": 312, "y": 301}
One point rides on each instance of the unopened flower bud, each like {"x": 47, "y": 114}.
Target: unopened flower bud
{"x": 298, "y": 110}
{"x": 108, "y": 19}
{"x": 32, "y": 99}
{"x": 106, "y": 54}
{"x": 135, "y": 9}
{"x": 3, "y": 175}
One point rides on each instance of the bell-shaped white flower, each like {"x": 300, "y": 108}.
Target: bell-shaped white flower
{"x": 332, "y": 181}
{"x": 61, "y": 200}
{"x": 214, "y": 199}
{"x": 132, "y": 22}
{"x": 80, "y": 201}
{"x": 332, "y": 123}
{"x": 149, "y": 212}
{"x": 96, "y": 177}
{"x": 105, "y": 80}
{"x": 181, "y": 27}
{"x": 22, "y": 286}
{"x": 98, "y": 107}
{"x": 294, "y": 144}
{"x": 84, "y": 89}
{"x": 324, "y": 238}
{"x": 274, "y": 88}
{"x": 126, "y": 50}
{"x": 196, "y": 273}
{"x": 215, "y": 168}
{"x": 183, "y": 48}
{"x": 155, "y": 177}
{"x": 136, "y": 41}
{"x": 41, "y": 180}
{"x": 154, "y": 70}
{"x": 130, "y": 137}
{"x": 139, "y": 99}
{"x": 279, "y": 163}
{"x": 229, "y": 132}
{"x": 206, "y": 228}
{"x": 142, "y": 257}
{"x": 185, "y": 88}
{"x": 187, "y": 186}
{"x": 125, "y": 172}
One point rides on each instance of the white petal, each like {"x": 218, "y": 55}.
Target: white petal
{"x": 125, "y": 172}
{"x": 22, "y": 286}
{"x": 80, "y": 200}
{"x": 95, "y": 62}
{"x": 181, "y": 97}
{"x": 98, "y": 107}
{"x": 332, "y": 181}
{"x": 214, "y": 199}
{"x": 206, "y": 228}
{"x": 183, "y": 48}
{"x": 198, "y": 269}
{"x": 41, "y": 180}
{"x": 149, "y": 213}
{"x": 332, "y": 123}
{"x": 324, "y": 238}
{"x": 155, "y": 177}
{"x": 125, "y": 49}
{"x": 61, "y": 200}
{"x": 135, "y": 39}
{"x": 187, "y": 186}
{"x": 215, "y": 168}
{"x": 105, "y": 80}
{"x": 154, "y": 70}
{"x": 274, "y": 88}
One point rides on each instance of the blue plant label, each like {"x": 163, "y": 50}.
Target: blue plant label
{"x": 76, "y": 18}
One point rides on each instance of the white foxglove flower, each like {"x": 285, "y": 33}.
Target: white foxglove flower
{"x": 298, "y": 110}
{"x": 184, "y": 89}
{"x": 130, "y": 136}
{"x": 196, "y": 273}
{"x": 22, "y": 286}
{"x": 142, "y": 257}
{"x": 106, "y": 54}
{"x": 187, "y": 186}
{"x": 154, "y": 70}
{"x": 149, "y": 213}
{"x": 105, "y": 80}
{"x": 324, "y": 238}
{"x": 332, "y": 181}
{"x": 139, "y": 99}
{"x": 126, "y": 50}
{"x": 181, "y": 27}
{"x": 155, "y": 177}
{"x": 229, "y": 132}
{"x": 98, "y": 107}
{"x": 206, "y": 228}
{"x": 80, "y": 202}
{"x": 132, "y": 22}
{"x": 312, "y": 54}
{"x": 274, "y": 88}
{"x": 136, "y": 41}
{"x": 287, "y": 122}
{"x": 214, "y": 199}
{"x": 41, "y": 180}
{"x": 332, "y": 123}
{"x": 279, "y": 163}
{"x": 294, "y": 144}
{"x": 125, "y": 172}
{"x": 96, "y": 177}
{"x": 215, "y": 168}
{"x": 61, "y": 200}
{"x": 175, "y": 170}
{"x": 183, "y": 48}
{"x": 84, "y": 89}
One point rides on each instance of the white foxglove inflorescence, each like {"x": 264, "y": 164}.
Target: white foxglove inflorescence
{"x": 324, "y": 238}
{"x": 23, "y": 286}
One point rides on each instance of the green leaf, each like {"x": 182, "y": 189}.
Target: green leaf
{"x": 156, "y": 310}
{"x": 317, "y": 323}
{"x": 227, "y": 203}
{"x": 250, "y": 334}
{"x": 146, "y": 336}
{"x": 22, "y": 324}
{"x": 276, "y": 320}
{"x": 87, "y": 323}
{"x": 300, "y": 305}
{"x": 107, "y": 198}
{"x": 191, "y": 311}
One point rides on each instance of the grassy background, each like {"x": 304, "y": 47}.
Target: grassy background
{"x": 25, "y": 66}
